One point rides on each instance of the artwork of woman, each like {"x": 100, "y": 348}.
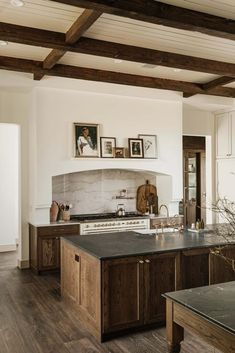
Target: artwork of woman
{"x": 86, "y": 140}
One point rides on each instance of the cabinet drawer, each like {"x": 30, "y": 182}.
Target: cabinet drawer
{"x": 58, "y": 230}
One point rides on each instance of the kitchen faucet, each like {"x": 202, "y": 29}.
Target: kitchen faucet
{"x": 167, "y": 211}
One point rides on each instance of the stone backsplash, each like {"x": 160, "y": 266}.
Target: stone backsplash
{"x": 96, "y": 191}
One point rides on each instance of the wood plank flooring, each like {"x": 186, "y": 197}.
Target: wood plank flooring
{"x": 33, "y": 319}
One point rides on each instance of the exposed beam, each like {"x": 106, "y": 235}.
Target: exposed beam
{"x": 162, "y": 14}
{"x": 35, "y": 67}
{"x": 79, "y": 27}
{"x": 221, "y": 81}
{"x": 218, "y": 82}
{"x": 55, "y": 40}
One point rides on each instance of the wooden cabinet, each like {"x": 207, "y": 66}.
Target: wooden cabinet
{"x": 161, "y": 275}
{"x": 122, "y": 293}
{"x": 49, "y": 250}
{"x": 220, "y": 271}
{"x": 195, "y": 268}
{"x": 133, "y": 289}
{"x": 225, "y": 135}
{"x": 45, "y": 246}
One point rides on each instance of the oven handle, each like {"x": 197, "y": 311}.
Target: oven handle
{"x": 87, "y": 232}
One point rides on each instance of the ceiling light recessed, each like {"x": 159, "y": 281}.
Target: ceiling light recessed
{"x": 17, "y": 3}
{"x": 3, "y": 43}
{"x": 149, "y": 66}
{"x": 177, "y": 70}
{"x": 118, "y": 61}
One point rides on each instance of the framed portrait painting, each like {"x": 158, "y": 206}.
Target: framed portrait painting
{"x": 86, "y": 140}
{"x": 136, "y": 148}
{"x": 107, "y": 146}
{"x": 150, "y": 145}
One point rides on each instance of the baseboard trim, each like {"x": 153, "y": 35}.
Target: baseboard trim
{"x": 23, "y": 264}
{"x": 7, "y": 247}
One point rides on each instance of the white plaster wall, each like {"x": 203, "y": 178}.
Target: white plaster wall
{"x": 9, "y": 186}
{"x": 202, "y": 123}
{"x": 14, "y": 108}
{"x": 122, "y": 117}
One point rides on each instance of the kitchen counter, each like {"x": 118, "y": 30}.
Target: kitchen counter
{"x": 215, "y": 302}
{"x": 115, "y": 245}
{"x": 53, "y": 224}
{"x": 207, "y": 312}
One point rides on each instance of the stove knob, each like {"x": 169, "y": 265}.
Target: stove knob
{"x": 87, "y": 226}
{"x": 113, "y": 224}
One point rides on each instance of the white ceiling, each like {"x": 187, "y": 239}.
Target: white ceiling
{"x": 54, "y": 16}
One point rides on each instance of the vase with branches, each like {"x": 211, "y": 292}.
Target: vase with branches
{"x": 225, "y": 209}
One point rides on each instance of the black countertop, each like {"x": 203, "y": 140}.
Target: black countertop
{"x": 216, "y": 303}
{"x": 114, "y": 245}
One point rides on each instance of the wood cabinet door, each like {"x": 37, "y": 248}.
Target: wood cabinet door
{"x": 160, "y": 276}
{"x": 49, "y": 252}
{"x": 220, "y": 270}
{"x": 195, "y": 268}
{"x": 122, "y": 297}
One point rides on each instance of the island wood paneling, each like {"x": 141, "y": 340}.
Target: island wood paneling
{"x": 195, "y": 268}
{"x": 160, "y": 276}
{"x": 220, "y": 271}
{"x": 122, "y": 289}
{"x": 81, "y": 285}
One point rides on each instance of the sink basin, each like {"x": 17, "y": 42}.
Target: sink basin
{"x": 155, "y": 231}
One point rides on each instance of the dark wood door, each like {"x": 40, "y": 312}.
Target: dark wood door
{"x": 122, "y": 299}
{"x": 195, "y": 268}
{"x": 159, "y": 278}
{"x": 220, "y": 270}
{"x": 49, "y": 252}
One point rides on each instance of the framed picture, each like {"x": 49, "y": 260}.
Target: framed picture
{"x": 119, "y": 152}
{"x": 150, "y": 145}
{"x": 86, "y": 138}
{"x": 136, "y": 148}
{"x": 107, "y": 145}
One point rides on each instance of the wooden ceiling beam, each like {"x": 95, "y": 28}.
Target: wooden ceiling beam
{"x": 162, "y": 14}
{"x": 35, "y": 67}
{"x": 55, "y": 40}
{"x": 221, "y": 81}
{"x": 79, "y": 27}
{"x": 212, "y": 85}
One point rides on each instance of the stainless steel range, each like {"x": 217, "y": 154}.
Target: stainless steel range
{"x": 109, "y": 222}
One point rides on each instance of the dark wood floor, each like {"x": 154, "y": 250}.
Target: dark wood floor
{"x": 33, "y": 319}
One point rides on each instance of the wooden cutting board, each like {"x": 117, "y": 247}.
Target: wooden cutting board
{"x": 147, "y": 196}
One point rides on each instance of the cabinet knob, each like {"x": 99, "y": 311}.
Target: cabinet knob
{"x": 147, "y": 261}
{"x": 141, "y": 262}
{"x": 57, "y": 238}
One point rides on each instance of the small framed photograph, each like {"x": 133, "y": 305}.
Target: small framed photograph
{"x": 136, "y": 148}
{"x": 150, "y": 145}
{"x": 119, "y": 152}
{"x": 107, "y": 145}
{"x": 86, "y": 140}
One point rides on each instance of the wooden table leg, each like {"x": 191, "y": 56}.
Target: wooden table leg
{"x": 174, "y": 332}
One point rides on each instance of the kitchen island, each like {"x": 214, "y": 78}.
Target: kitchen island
{"x": 208, "y": 312}
{"x": 116, "y": 280}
